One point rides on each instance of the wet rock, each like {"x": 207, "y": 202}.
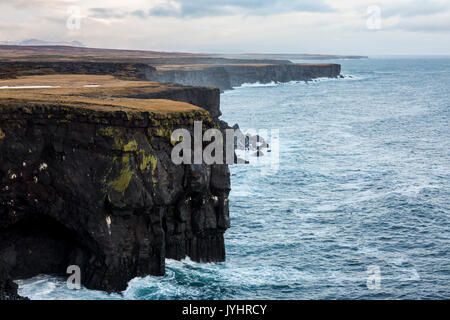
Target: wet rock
{"x": 8, "y": 289}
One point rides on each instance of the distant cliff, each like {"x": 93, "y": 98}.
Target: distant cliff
{"x": 228, "y": 76}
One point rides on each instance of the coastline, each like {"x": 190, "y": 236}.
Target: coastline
{"x": 123, "y": 116}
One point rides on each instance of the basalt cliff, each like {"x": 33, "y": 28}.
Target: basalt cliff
{"x": 86, "y": 177}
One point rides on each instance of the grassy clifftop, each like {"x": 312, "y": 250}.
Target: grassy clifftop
{"x": 94, "y": 93}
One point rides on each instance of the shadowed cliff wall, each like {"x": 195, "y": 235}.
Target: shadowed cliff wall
{"x": 99, "y": 190}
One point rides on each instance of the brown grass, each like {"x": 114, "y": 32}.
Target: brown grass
{"x": 73, "y": 93}
{"x": 65, "y": 53}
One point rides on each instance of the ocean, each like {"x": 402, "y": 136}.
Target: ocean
{"x": 359, "y": 207}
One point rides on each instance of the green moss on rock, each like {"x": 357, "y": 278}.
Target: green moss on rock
{"x": 121, "y": 183}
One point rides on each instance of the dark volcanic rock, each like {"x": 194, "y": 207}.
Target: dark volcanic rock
{"x": 8, "y": 289}
{"x": 99, "y": 190}
{"x": 204, "y": 97}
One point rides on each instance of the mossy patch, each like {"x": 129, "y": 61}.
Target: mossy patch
{"x": 131, "y": 146}
{"x": 163, "y": 132}
{"x": 121, "y": 183}
{"x": 120, "y": 142}
{"x": 109, "y": 131}
{"x": 146, "y": 160}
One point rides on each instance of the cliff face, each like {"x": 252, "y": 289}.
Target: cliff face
{"x": 207, "y": 98}
{"x": 229, "y": 76}
{"x": 95, "y": 187}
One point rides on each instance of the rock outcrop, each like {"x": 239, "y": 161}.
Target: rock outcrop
{"x": 228, "y": 76}
{"x": 91, "y": 183}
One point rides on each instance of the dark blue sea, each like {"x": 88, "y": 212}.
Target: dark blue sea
{"x": 359, "y": 207}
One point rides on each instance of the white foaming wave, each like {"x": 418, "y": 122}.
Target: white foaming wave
{"x": 388, "y": 257}
{"x": 151, "y": 287}
{"x": 294, "y": 82}
{"x": 326, "y": 79}
{"x": 44, "y": 287}
{"x": 421, "y": 184}
{"x": 37, "y": 288}
{"x": 396, "y": 261}
{"x": 258, "y": 84}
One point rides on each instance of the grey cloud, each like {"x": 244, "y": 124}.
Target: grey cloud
{"x": 106, "y": 13}
{"x": 420, "y": 16}
{"x": 416, "y": 8}
{"x": 139, "y": 13}
{"x": 204, "y": 8}
{"x": 39, "y": 3}
{"x": 441, "y": 26}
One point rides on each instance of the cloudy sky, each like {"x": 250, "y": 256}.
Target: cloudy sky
{"x": 369, "y": 27}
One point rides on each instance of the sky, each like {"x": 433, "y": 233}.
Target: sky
{"x": 363, "y": 27}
